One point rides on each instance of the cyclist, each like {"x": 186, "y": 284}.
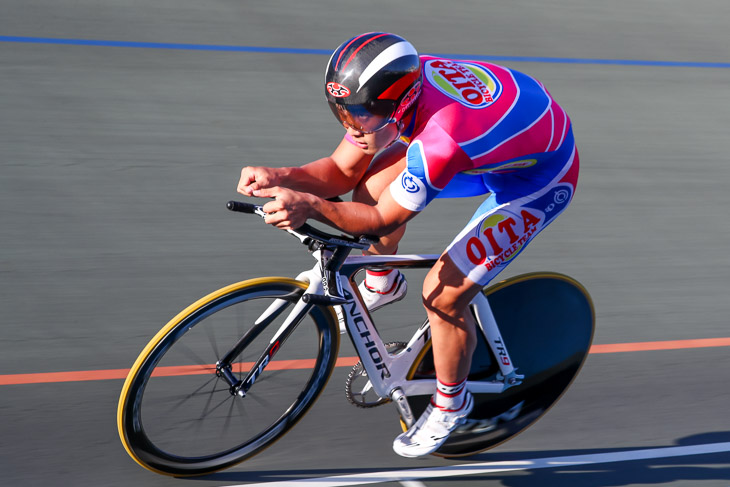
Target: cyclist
{"x": 418, "y": 128}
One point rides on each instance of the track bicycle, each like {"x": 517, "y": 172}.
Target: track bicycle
{"x": 234, "y": 371}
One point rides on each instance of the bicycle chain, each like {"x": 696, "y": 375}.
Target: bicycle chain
{"x": 358, "y": 372}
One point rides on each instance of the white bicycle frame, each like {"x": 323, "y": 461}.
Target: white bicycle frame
{"x": 388, "y": 374}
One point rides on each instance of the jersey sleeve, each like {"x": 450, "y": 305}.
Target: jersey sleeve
{"x": 432, "y": 160}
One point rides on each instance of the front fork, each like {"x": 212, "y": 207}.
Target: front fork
{"x": 324, "y": 289}
{"x": 224, "y": 367}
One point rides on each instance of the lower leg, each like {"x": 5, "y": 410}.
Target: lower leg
{"x": 387, "y": 244}
{"x": 453, "y": 340}
{"x": 383, "y": 280}
{"x": 447, "y": 294}
{"x": 450, "y": 396}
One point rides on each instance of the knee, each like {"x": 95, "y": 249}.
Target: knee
{"x": 439, "y": 299}
{"x": 446, "y": 291}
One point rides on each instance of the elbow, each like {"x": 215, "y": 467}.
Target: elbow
{"x": 385, "y": 227}
{"x": 388, "y": 229}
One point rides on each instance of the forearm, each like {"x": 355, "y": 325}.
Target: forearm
{"x": 290, "y": 209}
{"x": 322, "y": 177}
{"x": 354, "y": 218}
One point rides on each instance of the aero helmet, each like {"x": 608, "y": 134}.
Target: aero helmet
{"x": 372, "y": 80}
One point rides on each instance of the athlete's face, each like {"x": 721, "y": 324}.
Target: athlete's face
{"x": 373, "y": 142}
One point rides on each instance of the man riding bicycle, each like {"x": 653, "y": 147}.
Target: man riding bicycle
{"x": 419, "y": 128}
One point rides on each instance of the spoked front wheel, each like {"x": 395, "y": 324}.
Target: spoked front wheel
{"x": 178, "y": 412}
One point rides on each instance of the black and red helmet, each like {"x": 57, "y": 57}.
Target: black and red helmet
{"x": 372, "y": 80}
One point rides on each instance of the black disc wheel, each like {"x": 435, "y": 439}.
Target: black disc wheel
{"x": 178, "y": 412}
{"x": 546, "y": 321}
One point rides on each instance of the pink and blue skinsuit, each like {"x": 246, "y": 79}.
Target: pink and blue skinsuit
{"x": 479, "y": 129}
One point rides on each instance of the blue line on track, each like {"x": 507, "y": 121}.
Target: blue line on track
{"x": 324, "y": 52}
{"x": 162, "y": 45}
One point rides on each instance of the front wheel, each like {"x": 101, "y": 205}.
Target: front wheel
{"x": 178, "y": 415}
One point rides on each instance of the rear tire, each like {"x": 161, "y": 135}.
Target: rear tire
{"x": 177, "y": 417}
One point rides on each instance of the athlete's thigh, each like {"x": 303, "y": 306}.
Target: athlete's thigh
{"x": 499, "y": 232}
{"x": 386, "y": 166}
{"x": 446, "y": 289}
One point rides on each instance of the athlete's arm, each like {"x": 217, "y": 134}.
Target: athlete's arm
{"x": 327, "y": 177}
{"x": 358, "y": 218}
{"x": 290, "y": 209}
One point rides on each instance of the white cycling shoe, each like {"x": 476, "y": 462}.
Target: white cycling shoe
{"x": 431, "y": 430}
{"x": 376, "y": 299}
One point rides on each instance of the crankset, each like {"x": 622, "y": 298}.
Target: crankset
{"x": 359, "y": 390}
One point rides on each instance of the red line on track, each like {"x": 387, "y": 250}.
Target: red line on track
{"x": 667, "y": 345}
{"x": 87, "y": 375}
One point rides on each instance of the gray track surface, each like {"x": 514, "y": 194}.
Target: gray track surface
{"x": 116, "y": 164}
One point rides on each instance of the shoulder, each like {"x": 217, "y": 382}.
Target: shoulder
{"x": 472, "y": 84}
{"x": 465, "y": 98}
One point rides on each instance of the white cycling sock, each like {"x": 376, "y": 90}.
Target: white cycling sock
{"x": 381, "y": 280}
{"x": 450, "y": 397}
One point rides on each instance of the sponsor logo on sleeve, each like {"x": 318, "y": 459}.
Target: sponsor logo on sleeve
{"x": 411, "y": 183}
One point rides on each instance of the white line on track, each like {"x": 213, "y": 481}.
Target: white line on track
{"x": 408, "y": 477}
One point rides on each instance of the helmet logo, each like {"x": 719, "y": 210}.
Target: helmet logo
{"x": 408, "y": 100}
{"x": 337, "y": 90}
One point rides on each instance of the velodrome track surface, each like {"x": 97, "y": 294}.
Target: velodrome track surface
{"x": 117, "y": 159}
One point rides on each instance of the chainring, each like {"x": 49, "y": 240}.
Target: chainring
{"x": 357, "y": 380}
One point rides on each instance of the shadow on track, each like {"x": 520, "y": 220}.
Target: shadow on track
{"x": 711, "y": 466}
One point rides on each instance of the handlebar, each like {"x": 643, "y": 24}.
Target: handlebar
{"x": 307, "y": 233}
{"x": 242, "y": 207}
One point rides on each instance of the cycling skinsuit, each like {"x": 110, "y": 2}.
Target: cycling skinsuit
{"x": 481, "y": 128}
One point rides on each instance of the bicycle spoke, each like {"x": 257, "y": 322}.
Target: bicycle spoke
{"x": 264, "y": 320}
{"x": 207, "y": 411}
{"x": 188, "y": 397}
{"x": 259, "y": 399}
{"x": 191, "y": 355}
{"x": 210, "y": 331}
{"x": 227, "y": 422}
{"x": 186, "y": 415}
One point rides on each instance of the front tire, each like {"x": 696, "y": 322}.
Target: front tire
{"x": 176, "y": 416}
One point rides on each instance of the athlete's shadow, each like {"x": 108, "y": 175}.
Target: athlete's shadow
{"x": 688, "y": 468}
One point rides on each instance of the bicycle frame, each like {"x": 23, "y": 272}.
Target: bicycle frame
{"x": 398, "y": 372}
{"x": 390, "y": 375}
{"x": 331, "y": 283}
